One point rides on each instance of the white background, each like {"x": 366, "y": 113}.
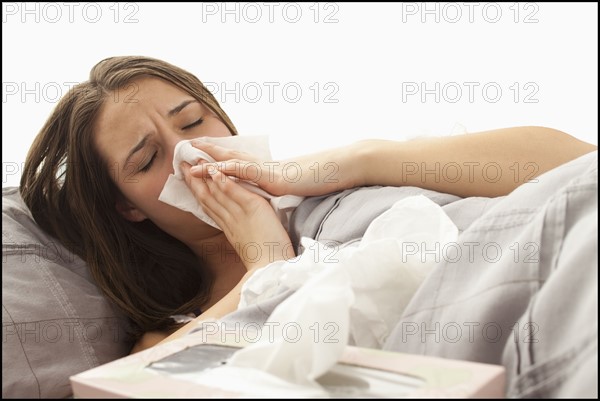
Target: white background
{"x": 361, "y": 68}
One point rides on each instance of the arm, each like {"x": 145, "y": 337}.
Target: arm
{"x": 490, "y": 163}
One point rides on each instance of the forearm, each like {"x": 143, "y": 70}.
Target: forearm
{"x": 490, "y": 163}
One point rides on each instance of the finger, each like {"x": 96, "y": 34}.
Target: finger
{"x": 205, "y": 169}
{"x": 245, "y": 170}
{"x": 201, "y": 189}
{"x": 231, "y": 191}
{"x": 214, "y": 208}
{"x": 225, "y": 198}
{"x": 267, "y": 174}
{"x": 198, "y": 186}
{"x": 220, "y": 153}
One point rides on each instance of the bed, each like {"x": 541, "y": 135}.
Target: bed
{"x": 524, "y": 296}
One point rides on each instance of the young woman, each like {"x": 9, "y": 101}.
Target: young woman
{"x": 94, "y": 173}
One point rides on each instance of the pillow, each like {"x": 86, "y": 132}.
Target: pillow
{"x": 55, "y": 320}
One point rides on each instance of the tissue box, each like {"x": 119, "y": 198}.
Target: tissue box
{"x": 189, "y": 367}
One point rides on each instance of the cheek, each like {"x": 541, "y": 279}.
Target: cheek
{"x": 154, "y": 181}
{"x": 168, "y": 218}
{"x": 144, "y": 189}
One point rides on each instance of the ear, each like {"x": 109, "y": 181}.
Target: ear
{"x": 129, "y": 211}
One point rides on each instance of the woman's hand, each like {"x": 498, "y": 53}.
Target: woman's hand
{"x": 248, "y": 220}
{"x": 317, "y": 174}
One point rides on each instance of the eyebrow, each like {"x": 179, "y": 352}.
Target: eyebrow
{"x": 142, "y": 143}
{"x": 177, "y": 109}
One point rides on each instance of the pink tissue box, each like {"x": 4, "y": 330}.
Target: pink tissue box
{"x": 164, "y": 372}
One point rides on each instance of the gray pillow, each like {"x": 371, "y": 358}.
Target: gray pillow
{"x": 55, "y": 321}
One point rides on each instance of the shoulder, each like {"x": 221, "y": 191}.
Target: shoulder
{"x": 149, "y": 339}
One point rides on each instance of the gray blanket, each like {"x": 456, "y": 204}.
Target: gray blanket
{"x": 519, "y": 289}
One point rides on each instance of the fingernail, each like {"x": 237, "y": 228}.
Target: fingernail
{"x": 195, "y": 169}
{"x": 212, "y": 168}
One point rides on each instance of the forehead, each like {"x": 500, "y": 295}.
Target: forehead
{"x": 127, "y": 113}
{"x": 140, "y": 95}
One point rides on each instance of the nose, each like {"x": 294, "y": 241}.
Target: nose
{"x": 170, "y": 148}
{"x": 169, "y": 138}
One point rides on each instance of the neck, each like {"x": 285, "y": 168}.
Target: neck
{"x": 220, "y": 257}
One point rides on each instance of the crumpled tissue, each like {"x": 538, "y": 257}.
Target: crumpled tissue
{"x": 176, "y": 193}
{"x": 351, "y": 295}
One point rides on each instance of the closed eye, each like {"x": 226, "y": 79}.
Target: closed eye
{"x": 192, "y": 125}
{"x": 149, "y": 164}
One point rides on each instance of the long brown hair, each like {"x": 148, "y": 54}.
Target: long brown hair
{"x": 67, "y": 185}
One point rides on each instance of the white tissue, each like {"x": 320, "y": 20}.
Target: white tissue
{"x": 354, "y": 295}
{"x": 176, "y": 192}
{"x": 306, "y": 334}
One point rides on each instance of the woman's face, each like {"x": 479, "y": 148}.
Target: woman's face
{"x": 136, "y": 132}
